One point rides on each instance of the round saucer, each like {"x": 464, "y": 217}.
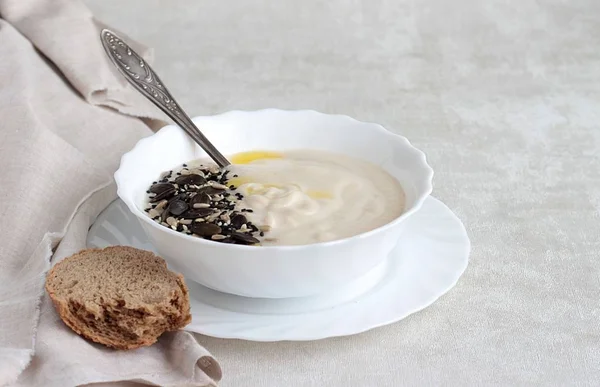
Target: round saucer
{"x": 427, "y": 262}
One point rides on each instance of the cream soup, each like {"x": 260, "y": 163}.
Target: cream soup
{"x": 309, "y": 196}
{"x": 295, "y": 197}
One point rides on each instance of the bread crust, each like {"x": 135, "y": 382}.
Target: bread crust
{"x": 113, "y": 323}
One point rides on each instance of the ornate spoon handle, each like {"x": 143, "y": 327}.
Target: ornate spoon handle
{"x": 144, "y": 79}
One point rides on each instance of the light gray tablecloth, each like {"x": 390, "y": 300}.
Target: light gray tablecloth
{"x": 502, "y": 95}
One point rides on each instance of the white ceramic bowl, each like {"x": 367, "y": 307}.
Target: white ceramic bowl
{"x": 274, "y": 271}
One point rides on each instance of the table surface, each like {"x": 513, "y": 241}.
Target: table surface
{"x": 502, "y": 96}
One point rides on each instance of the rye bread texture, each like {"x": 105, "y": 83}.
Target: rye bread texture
{"x": 118, "y": 296}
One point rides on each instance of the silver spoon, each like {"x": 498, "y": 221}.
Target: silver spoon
{"x": 144, "y": 79}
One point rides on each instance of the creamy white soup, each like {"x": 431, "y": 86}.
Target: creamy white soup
{"x": 308, "y": 196}
{"x": 294, "y": 197}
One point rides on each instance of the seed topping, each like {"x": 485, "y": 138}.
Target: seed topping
{"x": 198, "y": 201}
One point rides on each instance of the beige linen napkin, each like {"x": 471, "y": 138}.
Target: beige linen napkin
{"x": 58, "y": 151}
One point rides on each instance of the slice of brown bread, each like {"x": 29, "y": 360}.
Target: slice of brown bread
{"x": 119, "y": 296}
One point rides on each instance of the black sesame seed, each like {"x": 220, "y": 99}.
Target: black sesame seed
{"x": 184, "y": 165}
{"x": 262, "y": 234}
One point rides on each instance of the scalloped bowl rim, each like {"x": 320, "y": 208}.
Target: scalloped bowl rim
{"x": 393, "y": 136}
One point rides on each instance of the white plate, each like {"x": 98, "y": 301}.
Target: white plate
{"x": 428, "y": 261}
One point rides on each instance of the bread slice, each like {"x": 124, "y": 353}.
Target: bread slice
{"x": 119, "y": 296}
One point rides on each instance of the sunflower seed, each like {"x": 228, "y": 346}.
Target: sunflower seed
{"x": 161, "y": 205}
{"x": 190, "y": 180}
{"x": 244, "y": 238}
{"x": 160, "y": 187}
{"x": 238, "y": 221}
{"x": 219, "y": 186}
{"x": 177, "y": 207}
{"x": 167, "y": 193}
{"x": 197, "y": 213}
{"x": 205, "y": 229}
{"x": 200, "y": 198}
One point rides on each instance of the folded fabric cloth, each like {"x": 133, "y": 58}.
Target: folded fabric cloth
{"x": 66, "y": 117}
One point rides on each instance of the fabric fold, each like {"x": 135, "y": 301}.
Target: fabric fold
{"x": 67, "y": 33}
{"x": 66, "y": 118}
{"x": 175, "y": 360}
